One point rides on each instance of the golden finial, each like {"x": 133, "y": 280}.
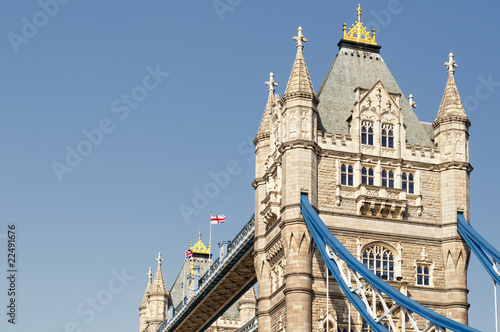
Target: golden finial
{"x": 192, "y": 268}
{"x": 358, "y": 32}
{"x": 199, "y": 235}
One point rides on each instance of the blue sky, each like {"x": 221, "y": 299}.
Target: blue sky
{"x": 199, "y": 75}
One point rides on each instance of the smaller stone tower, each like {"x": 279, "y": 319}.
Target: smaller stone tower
{"x": 248, "y": 306}
{"x": 153, "y": 309}
{"x": 451, "y": 130}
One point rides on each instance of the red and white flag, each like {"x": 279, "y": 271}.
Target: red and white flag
{"x": 217, "y": 219}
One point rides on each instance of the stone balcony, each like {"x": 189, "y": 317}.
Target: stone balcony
{"x": 379, "y": 202}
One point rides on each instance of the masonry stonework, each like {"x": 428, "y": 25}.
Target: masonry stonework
{"x": 380, "y": 179}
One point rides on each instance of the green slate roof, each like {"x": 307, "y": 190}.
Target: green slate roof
{"x": 361, "y": 68}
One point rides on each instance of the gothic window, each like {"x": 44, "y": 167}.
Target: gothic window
{"x": 388, "y": 178}
{"x": 367, "y": 132}
{"x": 380, "y": 260}
{"x": 347, "y": 175}
{"x": 408, "y": 182}
{"x": 367, "y": 176}
{"x": 387, "y": 135}
{"x": 423, "y": 275}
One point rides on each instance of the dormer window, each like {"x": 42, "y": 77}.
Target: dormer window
{"x": 388, "y": 178}
{"x": 367, "y": 132}
{"x": 387, "y": 135}
{"x": 367, "y": 176}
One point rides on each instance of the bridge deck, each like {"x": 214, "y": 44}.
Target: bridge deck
{"x": 223, "y": 284}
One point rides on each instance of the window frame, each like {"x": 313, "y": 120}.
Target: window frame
{"x": 387, "y": 133}
{"x": 368, "y": 175}
{"x": 388, "y": 176}
{"x": 347, "y": 175}
{"x": 377, "y": 257}
{"x": 408, "y": 182}
{"x": 367, "y": 132}
{"x": 423, "y": 275}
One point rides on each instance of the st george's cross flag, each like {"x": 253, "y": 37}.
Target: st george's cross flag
{"x": 217, "y": 219}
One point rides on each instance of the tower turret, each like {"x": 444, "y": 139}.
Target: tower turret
{"x": 451, "y": 127}
{"x": 158, "y": 299}
{"x": 451, "y": 130}
{"x": 299, "y": 174}
{"x": 248, "y": 306}
{"x": 143, "y": 308}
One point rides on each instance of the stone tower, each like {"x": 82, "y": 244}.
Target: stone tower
{"x": 387, "y": 185}
{"x": 158, "y": 303}
{"x": 153, "y": 309}
{"x": 451, "y": 130}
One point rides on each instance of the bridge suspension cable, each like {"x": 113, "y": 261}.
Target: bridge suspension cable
{"x": 368, "y": 285}
{"x": 482, "y": 248}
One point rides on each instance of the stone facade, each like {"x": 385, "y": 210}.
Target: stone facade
{"x": 383, "y": 182}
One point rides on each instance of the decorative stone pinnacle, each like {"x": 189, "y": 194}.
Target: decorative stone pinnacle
{"x": 150, "y": 275}
{"x": 271, "y": 84}
{"x": 451, "y": 64}
{"x": 159, "y": 259}
{"x": 300, "y": 38}
{"x": 411, "y": 102}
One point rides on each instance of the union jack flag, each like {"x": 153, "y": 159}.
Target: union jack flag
{"x": 189, "y": 254}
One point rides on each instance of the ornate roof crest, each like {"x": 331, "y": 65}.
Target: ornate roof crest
{"x": 199, "y": 247}
{"x": 358, "y": 32}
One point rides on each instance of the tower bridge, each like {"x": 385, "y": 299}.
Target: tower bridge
{"x": 349, "y": 182}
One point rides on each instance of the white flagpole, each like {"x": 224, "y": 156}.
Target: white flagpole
{"x": 349, "y": 303}
{"x": 496, "y": 307}
{"x": 184, "y": 282}
{"x": 210, "y": 240}
{"x": 327, "y": 298}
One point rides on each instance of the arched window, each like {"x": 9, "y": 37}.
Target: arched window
{"x": 387, "y": 135}
{"x": 347, "y": 175}
{"x": 367, "y": 132}
{"x": 408, "y": 182}
{"x": 367, "y": 176}
{"x": 380, "y": 260}
{"x": 388, "y": 179}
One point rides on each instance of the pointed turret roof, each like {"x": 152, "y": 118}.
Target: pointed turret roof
{"x": 299, "y": 82}
{"x": 249, "y": 297}
{"x": 158, "y": 285}
{"x": 265, "y": 123}
{"x": 451, "y": 104}
{"x": 147, "y": 292}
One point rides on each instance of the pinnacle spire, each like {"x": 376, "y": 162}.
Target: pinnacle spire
{"x": 265, "y": 123}
{"x": 451, "y": 104}
{"x": 150, "y": 276}
{"x": 144, "y": 302}
{"x": 158, "y": 285}
{"x": 271, "y": 83}
{"x": 299, "y": 82}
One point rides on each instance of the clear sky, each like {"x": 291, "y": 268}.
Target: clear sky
{"x": 198, "y": 80}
